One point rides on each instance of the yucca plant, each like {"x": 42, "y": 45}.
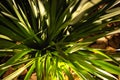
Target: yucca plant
{"x": 52, "y": 37}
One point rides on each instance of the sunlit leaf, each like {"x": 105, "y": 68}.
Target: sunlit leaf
{"x": 18, "y": 72}
{"x": 107, "y": 66}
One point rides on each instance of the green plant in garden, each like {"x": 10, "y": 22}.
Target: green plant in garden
{"x": 51, "y": 38}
